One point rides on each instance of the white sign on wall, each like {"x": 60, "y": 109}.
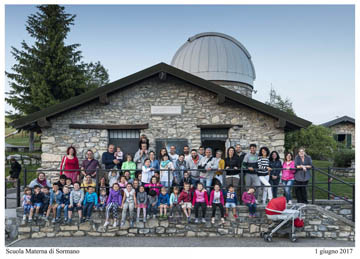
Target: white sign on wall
{"x": 166, "y": 110}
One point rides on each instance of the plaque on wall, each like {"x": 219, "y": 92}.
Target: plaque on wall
{"x": 166, "y": 110}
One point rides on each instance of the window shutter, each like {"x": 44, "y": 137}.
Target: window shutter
{"x": 348, "y": 140}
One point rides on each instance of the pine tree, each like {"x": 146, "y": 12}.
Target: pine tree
{"x": 49, "y": 71}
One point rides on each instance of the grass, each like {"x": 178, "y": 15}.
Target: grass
{"x": 338, "y": 189}
{"x": 19, "y": 139}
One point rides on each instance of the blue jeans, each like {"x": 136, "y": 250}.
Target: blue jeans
{"x": 194, "y": 182}
{"x": 207, "y": 183}
{"x": 152, "y": 209}
{"x": 58, "y": 211}
{"x": 27, "y": 208}
{"x": 252, "y": 208}
{"x": 287, "y": 189}
{"x": 87, "y": 209}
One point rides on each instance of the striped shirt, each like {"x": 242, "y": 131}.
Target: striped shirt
{"x": 263, "y": 164}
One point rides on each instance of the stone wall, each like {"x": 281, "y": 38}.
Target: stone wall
{"x": 132, "y": 106}
{"x": 240, "y": 88}
{"x": 319, "y": 223}
{"x": 345, "y": 128}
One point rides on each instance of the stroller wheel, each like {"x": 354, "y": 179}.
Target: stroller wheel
{"x": 267, "y": 238}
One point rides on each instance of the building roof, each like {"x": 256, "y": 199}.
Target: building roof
{"x": 215, "y": 56}
{"x": 339, "y": 120}
{"x": 37, "y": 120}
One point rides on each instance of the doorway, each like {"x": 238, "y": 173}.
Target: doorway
{"x": 214, "y": 139}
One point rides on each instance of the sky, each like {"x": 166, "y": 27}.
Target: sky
{"x": 305, "y": 52}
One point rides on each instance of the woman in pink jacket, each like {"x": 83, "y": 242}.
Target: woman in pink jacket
{"x": 288, "y": 176}
{"x": 217, "y": 200}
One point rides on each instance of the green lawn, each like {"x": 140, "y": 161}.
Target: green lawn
{"x": 20, "y": 139}
{"x": 336, "y": 188}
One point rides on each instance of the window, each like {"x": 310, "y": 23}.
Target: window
{"x": 346, "y": 139}
{"x": 214, "y": 134}
{"x": 127, "y": 140}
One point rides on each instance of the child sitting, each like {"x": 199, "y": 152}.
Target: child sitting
{"x": 217, "y": 200}
{"x": 128, "y": 203}
{"x": 249, "y": 200}
{"x": 69, "y": 184}
{"x": 113, "y": 203}
{"x": 147, "y": 172}
{"x": 46, "y": 201}
{"x": 185, "y": 201}
{"x": 103, "y": 199}
{"x": 153, "y": 201}
{"x": 76, "y": 199}
{"x": 61, "y": 182}
{"x": 65, "y": 202}
{"x": 200, "y": 199}
{"x": 36, "y": 201}
{"x": 154, "y": 185}
{"x": 174, "y": 202}
{"x": 90, "y": 201}
{"x": 163, "y": 202}
{"x": 26, "y": 204}
{"x": 141, "y": 199}
{"x": 55, "y": 201}
{"x": 231, "y": 201}
{"x": 113, "y": 177}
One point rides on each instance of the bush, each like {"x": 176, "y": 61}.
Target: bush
{"x": 343, "y": 157}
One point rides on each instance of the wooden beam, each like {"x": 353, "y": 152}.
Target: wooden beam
{"x": 220, "y": 99}
{"x": 108, "y": 126}
{"x": 43, "y": 123}
{"x": 104, "y": 99}
{"x": 280, "y": 123}
{"x": 217, "y": 126}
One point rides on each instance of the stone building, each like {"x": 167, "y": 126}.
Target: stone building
{"x": 204, "y": 98}
{"x": 344, "y": 130}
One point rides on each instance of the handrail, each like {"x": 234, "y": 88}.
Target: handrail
{"x": 332, "y": 176}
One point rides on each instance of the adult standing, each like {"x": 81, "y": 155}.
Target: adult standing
{"x": 180, "y": 169}
{"x": 154, "y": 163}
{"x": 40, "y": 180}
{"x": 220, "y": 164}
{"x": 141, "y": 155}
{"x": 288, "y": 176}
{"x": 172, "y": 155}
{"x": 239, "y": 153}
{"x": 186, "y": 151}
{"x": 264, "y": 173}
{"x": 109, "y": 159}
{"x": 303, "y": 164}
{"x": 144, "y": 139}
{"x": 14, "y": 171}
{"x": 250, "y": 165}
{"x": 232, "y": 161}
{"x": 70, "y": 162}
{"x": 192, "y": 164}
{"x": 166, "y": 167}
{"x": 207, "y": 162}
{"x": 89, "y": 165}
{"x": 275, "y": 172}
{"x": 201, "y": 151}
{"x": 162, "y": 153}
{"x": 129, "y": 164}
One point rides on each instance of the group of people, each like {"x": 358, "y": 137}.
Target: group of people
{"x": 196, "y": 180}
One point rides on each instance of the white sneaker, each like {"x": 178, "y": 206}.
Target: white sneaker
{"x": 106, "y": 224}
{"x": 290, "y": 202}
{"x": 256, "y": 201}
{"x": 114, "y": 225}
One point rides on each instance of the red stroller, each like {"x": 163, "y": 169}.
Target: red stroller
{"x": 276, "y": 211}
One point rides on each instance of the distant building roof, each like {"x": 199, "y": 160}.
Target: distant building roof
{"x": 37, "y": 120}
{"x": 339, "y": 120}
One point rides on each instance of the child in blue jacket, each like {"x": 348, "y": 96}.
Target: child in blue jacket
{"x": 55, "y": 201}
{"x": 90, "y": 201}
{"x": 163, "y": 202}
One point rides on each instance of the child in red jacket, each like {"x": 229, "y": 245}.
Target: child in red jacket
{"x": 217, "y": 200}
{"x": 185, "y": 201}
{"x": 200, "y": 199}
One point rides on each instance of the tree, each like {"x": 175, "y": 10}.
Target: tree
{"x": 277, "y": 102}
{"x": 317, "y": 140}
{"x": 49, "y": 71}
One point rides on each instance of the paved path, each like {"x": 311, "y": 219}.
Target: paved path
{"x": 176, "y": 242}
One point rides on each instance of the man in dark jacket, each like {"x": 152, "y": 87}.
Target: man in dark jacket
{"x": 14, "y": 171}
{"x": 239, "y": 153}
{"x": 108, "y": 158}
